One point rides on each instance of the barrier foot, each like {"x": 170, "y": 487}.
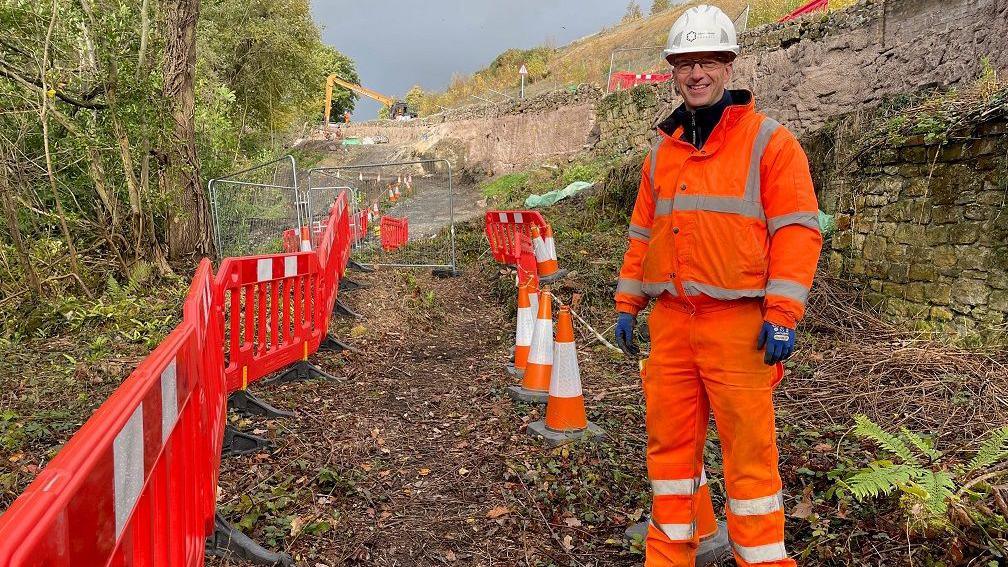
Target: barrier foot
{"x": 341, "y": 310}
{"x": 358, "y": 267}
{"x": 239, "y": 443}
{"x": 347, "y": 284}
{"x": 557, "y": 275}
{"x": 447, "y": 272}
{"x": 246, "y": 402}
{"x": 331, "y": 344}
{"x": 300, "y": 370}
{"x": 227, "y": 541}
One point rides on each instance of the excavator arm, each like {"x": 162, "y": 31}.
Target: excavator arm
{"x": 387, "y": 101}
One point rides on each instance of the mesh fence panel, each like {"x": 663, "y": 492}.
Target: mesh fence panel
{"x": 253, "y": 208}
{"x": 419, "y": 191}
{"x": 638, "y": 60}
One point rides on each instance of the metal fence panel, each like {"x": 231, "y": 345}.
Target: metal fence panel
{"x": 420, "y": 191}
{"x": 252, "y": 208}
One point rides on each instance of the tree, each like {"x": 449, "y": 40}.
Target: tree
{"x": 633, "y": 12}
{"x": 658, "y": 6}
{"x": 189, "y": 223}
{"x": 415, "y": 97}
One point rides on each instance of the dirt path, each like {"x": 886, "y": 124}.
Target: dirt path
{"x": 415, "y": 455}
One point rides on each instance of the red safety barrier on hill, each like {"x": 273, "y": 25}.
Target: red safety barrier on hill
{"x": 291, "y": 242}
{"x": 137, "y": 484}
{"x": 812, "y": 6}
{"x": 394, "y": 232}
{"x": 624, "y": 80}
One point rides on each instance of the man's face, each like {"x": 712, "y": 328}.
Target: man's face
{"x": 701, "y": 77}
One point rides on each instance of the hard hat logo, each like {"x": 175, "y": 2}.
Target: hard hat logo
{"x": 702, "y": 28}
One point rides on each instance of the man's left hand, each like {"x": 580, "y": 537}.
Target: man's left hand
{"x": 779, "y": 342}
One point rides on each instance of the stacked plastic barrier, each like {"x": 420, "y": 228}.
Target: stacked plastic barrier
{"x": 394, "y": 232}
{"x": 506, "y": 232}
{"x": 623, "y": 80}
{"x": 137, "y": 484}
{"x": 813, "y": 6}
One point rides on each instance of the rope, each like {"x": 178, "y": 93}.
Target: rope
{"x": 585, "y": 323}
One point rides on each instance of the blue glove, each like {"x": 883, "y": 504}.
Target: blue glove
{"x": 779, "y": 342}
{"x": 624, "y": 334}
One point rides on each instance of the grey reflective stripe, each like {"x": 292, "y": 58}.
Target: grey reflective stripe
{"x": 663, "y": 207}
{"x": 127, "y": 468}
{"x": 810, "y": 220}
{"x": 762, "y": 553}
{"x": 675, "y": 532}
{"x": 718, "y": 204}
{"x": 757, "y": 506}
{"x": 632, "y": 287}
{"x": 654, "y": 163}
{"x": 640, "y": 233}
{"x": 789, "y": 289}
{"x": 169, "y": 400}
{"x": 766, "y": 130}
{"x": 677, "y": 487}
{"x": 654, "y": 289}
{"x": 713, "y": 291}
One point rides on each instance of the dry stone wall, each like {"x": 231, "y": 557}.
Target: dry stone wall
{"x": 925, "y": 225}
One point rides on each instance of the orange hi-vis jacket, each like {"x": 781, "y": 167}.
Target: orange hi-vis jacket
{"x": 738, "y": 218}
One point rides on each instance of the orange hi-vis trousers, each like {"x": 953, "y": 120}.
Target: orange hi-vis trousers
{"x": 703, "y": 358}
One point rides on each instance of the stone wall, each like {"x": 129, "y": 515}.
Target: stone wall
{"x": 805, "y": 73}
{"x": 925, "y": 226}
{"x": 493, "y": 139}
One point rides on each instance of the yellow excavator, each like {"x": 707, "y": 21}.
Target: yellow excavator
{"x": 397, "y": 109}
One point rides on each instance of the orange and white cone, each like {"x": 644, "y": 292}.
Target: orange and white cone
{"x": 549, "y": 269}
{"x": 305, "y": 239}
{"x": 528, "y": 306}
{"x": 536, "y": 380}
{"x": 397, "y": 193}
{"x": 565, "y": 409}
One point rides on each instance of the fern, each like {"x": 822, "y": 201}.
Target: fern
{"x": 868, "y": 429}
{"x": 940, "y": 488}
{"x": 881, "y": 477}
{"x": 924, "y": 445}
{"x": 993, "y": 450}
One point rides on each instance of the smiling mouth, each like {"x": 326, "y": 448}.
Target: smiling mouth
{"x": 698, "y": 88}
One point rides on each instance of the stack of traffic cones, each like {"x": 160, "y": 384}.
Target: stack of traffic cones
{"x": 565, "y": 409}
{"x": 536, "y": 380}
{"x": 528, "y": 308}
{"x": 545, "y": 253}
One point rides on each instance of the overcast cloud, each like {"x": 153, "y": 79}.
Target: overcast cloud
{"x": 400, "y": 43}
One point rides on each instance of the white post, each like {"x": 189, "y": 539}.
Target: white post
{"x": 523, "y": 71}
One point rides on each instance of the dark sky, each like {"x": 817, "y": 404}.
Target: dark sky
{"x": 399, "y": 43}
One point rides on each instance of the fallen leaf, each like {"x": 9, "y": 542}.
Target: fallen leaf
{"x": 463, "y": 471}
{"x": 296, "y": 525}
{"x": 16, "y": 457}
{"x": 449, "y": 555}
{"x": 572, "y": 522}
{"x": 804, "y": 508}
{"x": 424, "y": 472}
{"x": 568, "y": 542}
{"x": 498, "y": 512}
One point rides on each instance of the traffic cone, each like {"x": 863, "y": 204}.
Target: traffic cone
{"x": 397, "y": 193}
{"x": 549, "y": 269}
{"x": 392, "y": 196}
{"x": 536, "y": 380}
{"x": 528, "y": 305}
{"x": 360, "y": 176}
{"x": 565, "y": 410}
{"x": 305, "y": 239}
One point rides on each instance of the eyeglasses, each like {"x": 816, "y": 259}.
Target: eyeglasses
{"x": 685, "y": 67}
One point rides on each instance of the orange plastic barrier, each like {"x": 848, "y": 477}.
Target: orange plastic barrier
{"x": 503, "y": 228}
{"x": 394, "y": 232}
{"x": 137, "y": 484}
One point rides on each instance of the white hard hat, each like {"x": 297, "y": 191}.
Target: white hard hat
{"x": 702, "y": 28}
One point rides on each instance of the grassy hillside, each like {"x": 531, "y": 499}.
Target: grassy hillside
{"x": 587, "y": 60}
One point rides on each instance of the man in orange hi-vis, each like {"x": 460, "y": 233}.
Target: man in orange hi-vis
{"x": 725, "y": 236}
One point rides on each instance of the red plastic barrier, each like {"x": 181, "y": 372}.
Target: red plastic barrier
{"x": 812, "y": 6}
{"x": 136, "y": 485}
{"x": 625, "y": 80}
{"x": 503, "y": 228}
{"x": 394, "y": 232}
{"x": 291, "y": 242}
